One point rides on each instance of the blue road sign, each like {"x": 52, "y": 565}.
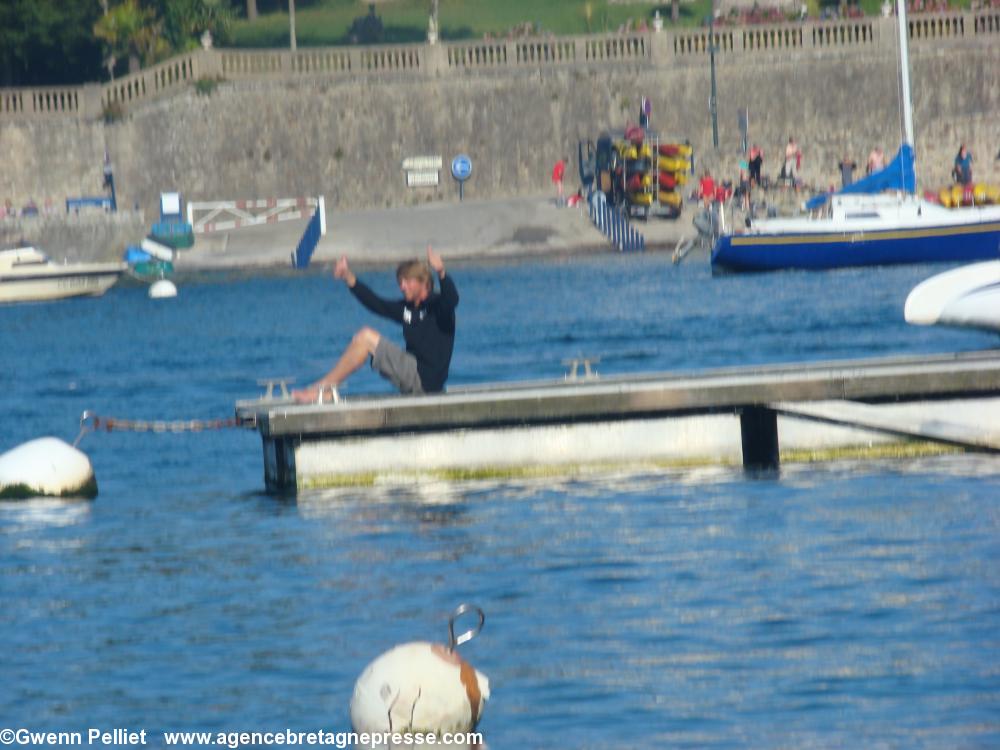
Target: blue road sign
{"x": 461, "y": 167}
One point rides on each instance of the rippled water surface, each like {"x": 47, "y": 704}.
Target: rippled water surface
{"x": 847, "y": 604}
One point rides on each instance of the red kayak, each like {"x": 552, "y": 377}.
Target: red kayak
{"x": 667, "y": 181}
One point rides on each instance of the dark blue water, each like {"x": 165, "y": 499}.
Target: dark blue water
{"x": 849, "y": 604}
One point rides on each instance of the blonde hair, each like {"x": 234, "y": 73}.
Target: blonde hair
{"x": 414, "y": 269}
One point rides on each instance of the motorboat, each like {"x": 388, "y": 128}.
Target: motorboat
{"x": 27, "y": 274}
{"x": 878, "y": 220}
{"x": 968, "y": 296}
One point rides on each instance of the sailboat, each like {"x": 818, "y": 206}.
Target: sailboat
{"x": 878, "y": 220}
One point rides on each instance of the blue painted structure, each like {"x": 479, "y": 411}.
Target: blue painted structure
{"x": 307, "y": 244}
{"x": 75, "y": 204}
{"x": 612, "y": 222}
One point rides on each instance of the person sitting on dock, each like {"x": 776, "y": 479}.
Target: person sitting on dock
{"x": 428, "y": 321}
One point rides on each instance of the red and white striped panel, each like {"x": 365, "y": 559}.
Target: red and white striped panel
{"x": 220, "y": 216}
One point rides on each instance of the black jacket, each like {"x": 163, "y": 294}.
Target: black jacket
{"x": 429, "y": 329}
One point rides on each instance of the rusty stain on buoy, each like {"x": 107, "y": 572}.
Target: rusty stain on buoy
{"x": 422, "y": 687}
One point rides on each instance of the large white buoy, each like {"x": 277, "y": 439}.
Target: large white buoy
{"x": 162, "y": 289}
{"x": 46, "y": 466}
{"x": 420, "y": 688}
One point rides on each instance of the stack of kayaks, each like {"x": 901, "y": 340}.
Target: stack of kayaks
{"x": 636, "y": 158}
{"x": 653, "y": 173}
{"x": 968, "y": 195}
{"x": 673, "y": 167}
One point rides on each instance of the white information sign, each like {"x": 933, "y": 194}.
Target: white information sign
{"x": 422, "y": 178}
{"x": 422, "y": 163}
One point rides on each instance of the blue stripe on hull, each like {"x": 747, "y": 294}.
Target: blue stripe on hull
{"x": 764, "y": 253}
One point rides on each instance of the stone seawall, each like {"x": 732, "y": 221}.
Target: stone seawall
{"x": 262, "y": 135}
{"x": 76, "y": 237}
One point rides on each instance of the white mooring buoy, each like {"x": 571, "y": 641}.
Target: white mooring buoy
{"x": 421, "y": 687}
{"x": 162, "y": 289}
{"x": 48, "y": 467}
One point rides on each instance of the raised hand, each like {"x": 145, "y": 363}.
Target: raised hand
{"x": 435, "y": 261}
{"x": 341, "y": 270}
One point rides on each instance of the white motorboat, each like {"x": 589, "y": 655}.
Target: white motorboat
{"x": 28, "y": 275}
{"x": 967, "y": 296}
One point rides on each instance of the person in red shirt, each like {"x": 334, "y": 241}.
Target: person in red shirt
{"x": 558, "y": 172}
{"x": 706, "y": 188}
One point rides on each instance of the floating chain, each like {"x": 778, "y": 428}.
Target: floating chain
{"x": 90, "y": 422}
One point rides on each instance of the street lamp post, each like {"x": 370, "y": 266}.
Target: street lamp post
{"x": 712, "y": 101}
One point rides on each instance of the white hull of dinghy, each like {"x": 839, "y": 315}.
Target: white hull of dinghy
{"x": 968, "y": 296}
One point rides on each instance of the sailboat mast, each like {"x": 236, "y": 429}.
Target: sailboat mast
{"x": 904, "y": 63}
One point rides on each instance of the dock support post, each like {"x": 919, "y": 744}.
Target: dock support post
{"x": 279, "y": 465}
{"x": 759, "y": 432}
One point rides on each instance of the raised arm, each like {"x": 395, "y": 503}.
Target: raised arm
{"x": 449, "y": 294}
{"x": 435, "y": 262}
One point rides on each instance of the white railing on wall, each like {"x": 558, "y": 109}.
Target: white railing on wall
{"x": 685, "y": 47}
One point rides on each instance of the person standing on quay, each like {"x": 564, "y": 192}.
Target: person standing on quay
{"x": 558, "y": 172}
{"x": 847, "y": 166}
{"x": 963, "y": 166}
{"x": 793, "y": 160}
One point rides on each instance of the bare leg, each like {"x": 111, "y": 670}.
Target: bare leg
{"x": 362, "y": 346}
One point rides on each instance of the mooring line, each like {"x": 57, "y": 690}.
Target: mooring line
{"x": 90, "y": 422}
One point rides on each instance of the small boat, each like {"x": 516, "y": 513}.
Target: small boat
{"x": 878, "y": 220}
{"x": 968, "y": 296}
{"x": 27, "y": 275}
{"x": 150, "y": 262}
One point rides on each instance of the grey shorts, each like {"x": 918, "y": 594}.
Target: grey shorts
{"x": 396, "y": 366}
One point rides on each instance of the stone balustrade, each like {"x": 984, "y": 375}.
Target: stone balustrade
{"x": 664, "y": 48}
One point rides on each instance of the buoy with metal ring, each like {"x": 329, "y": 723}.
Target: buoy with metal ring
{"x": 46, "y": 467}
{"x": 421, "y": 688}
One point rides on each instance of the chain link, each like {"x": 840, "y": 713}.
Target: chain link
{"x": 90, "y": 422}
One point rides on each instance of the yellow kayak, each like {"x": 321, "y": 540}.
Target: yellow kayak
{"x": 673, "y": 164}
{"x": 676, "y": 149}
{"x": 627, "y": 150}
{"x": 641, "y": 199}
{"x": 670, "y": 198}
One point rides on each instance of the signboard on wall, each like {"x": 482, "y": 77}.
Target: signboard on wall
{"x": 422, "y": 171}
{"x": 422, "y": 163}
{"x": 422, "y": 178}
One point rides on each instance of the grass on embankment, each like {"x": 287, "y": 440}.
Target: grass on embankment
{"x": 326, "y": 22}
{"x": 321, "y": 23}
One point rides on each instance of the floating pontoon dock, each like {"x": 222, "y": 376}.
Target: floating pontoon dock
{"x": 714, "y": 416}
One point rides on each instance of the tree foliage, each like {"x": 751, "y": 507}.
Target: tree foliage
{"x": 60, "y": 42}
{"x": 186, "y": 20}
{"x": 48, "y": 42}
{"x": 128, "y": 30}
